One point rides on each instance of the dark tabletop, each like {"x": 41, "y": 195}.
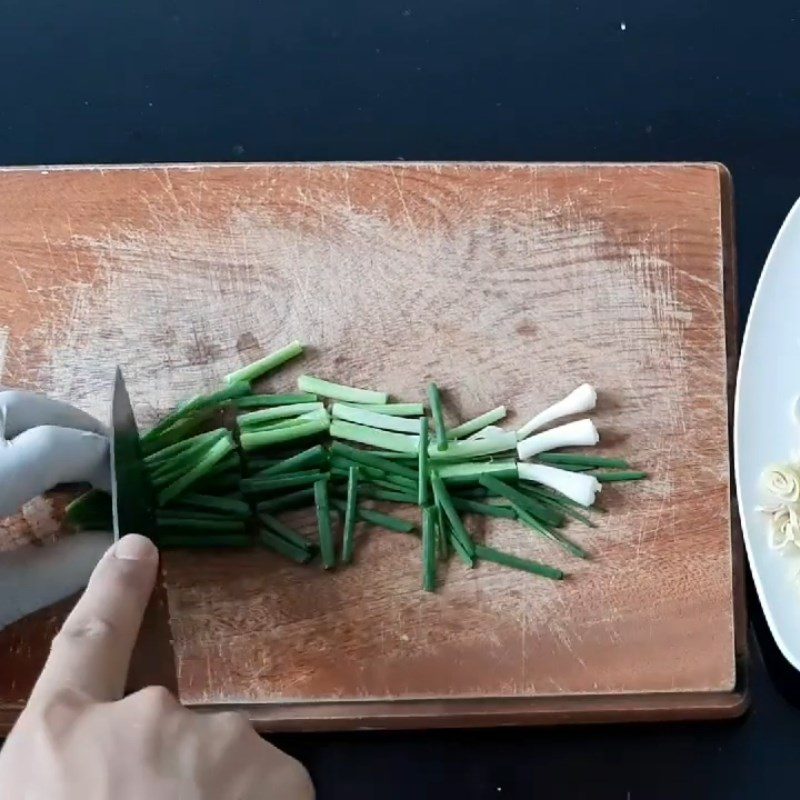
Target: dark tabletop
{"x": 524, "y": 80}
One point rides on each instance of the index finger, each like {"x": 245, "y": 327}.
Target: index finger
{"x": 92, "y": 652}
{"x": 21, "y": 410}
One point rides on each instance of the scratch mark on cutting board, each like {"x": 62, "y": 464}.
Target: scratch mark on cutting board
{"x": 3, "y": 346}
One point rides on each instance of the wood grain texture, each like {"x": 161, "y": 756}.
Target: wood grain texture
{"x": 507, "y": 284}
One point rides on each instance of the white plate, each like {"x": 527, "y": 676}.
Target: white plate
{"x": 764, "y": 429}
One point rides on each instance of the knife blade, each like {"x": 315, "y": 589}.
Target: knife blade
{"x": 132, "y": 497}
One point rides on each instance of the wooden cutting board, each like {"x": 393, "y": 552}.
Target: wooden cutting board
{"x": 505, "y": 283}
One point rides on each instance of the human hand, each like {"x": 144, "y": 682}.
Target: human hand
{"x": 77, "y": 739}
{"x": 44, "y": 442}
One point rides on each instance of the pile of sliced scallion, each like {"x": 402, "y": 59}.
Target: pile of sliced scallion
{"x": 337, "y": 448}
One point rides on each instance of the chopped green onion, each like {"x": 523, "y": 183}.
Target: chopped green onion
{"x": 226, "y": 505}
{"x": 391, "y": 456}
{"x": 475, "y": 448}
{"x": 515, "y": 562}
{"x": 278, "y": 412}
{"x": 548, "y": 533}
{"x": 259, "y": 485}
{"x": 217, "y": 452}
{"x": 394, "y": 409}
{"x": 373, "y": 460}
{"x": 324, "y": 524}
{"x": 278, "y": 544}
{"x": 435, "y": 400}
{"x": 272, "y": 400}
{"x": 319, "y": 415}
{"x": 348, "y": 394}
{"x": 252, "y": 440}
{"x": 378, "y": 518}
{"x": 580, "y": 460}
{"x": 422, "y": 464}
{"x": 471, "y": 472}
{"x": 166, "y": 454}
{"x": 201, "y": 402}
{"x": 363, "y": 416}
{"x": 315, "y": 456}
{"x": 167, "y": 520}
{"x": 186, "y": 541}
{"x": 520, "y": 500}
{"x": 442, "y": 539}
{"x": 374, "y": 438}
{"x": 394, "y": 495}
{"x": 284, "y": 531}
{"x": 476, "y": 424}
{"x": 566, "y": 506}
{"x": 258, "y": 368}
{"x": 350, "y": 516}
{"x": 615, "y": 477}
{"x": 175, "y": 433}
{"x": 486, "y": 509}
{"x": 91, "y": 510}
{"x": 429, "y": 549}
{"x": 302, "y": 497}
{"x": 456, "y": 525}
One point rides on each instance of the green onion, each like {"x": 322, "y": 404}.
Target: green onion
{"x": 166, "y": 454}
{"x": 435, "y": 400}
{"x": 284, "y": 531}
{"x": 217, "y": 452}
{"x": 486, "y": 509}
{"x": 278, "y": 544}
{"x": 457, "y": 528}
{"x": 258, "y": 485}
{"x": 442, "y": 539}
{"x": 227, "y": 505}
{"x": 524, "y": 501}
{"x": 363, "y": 416}
{"x": 302, "y": 497}
{"x": 336, "y": 391}
{"x": 478, "y": 423}
{"x": 231, "y": 462}
{"x": 278, "y": 412}
{"x": 373, "y": 460}
{"x": 185, "y": 541}
{"x": 324, "y": 524}
{"x": 214, "y": 484}
{"x": 565, "y": 543}
{"x": 578, "y": 459}
{"x": 252, "y": 440}
{"x": 181, "y": 461}
{"x": 258, "y": 368}
{"x": 391, "y": 456}
{"x": 272, "y": 400}
{"x": 374, "y": 438}
{"x": 378, "y": 518}
{"x": 394, "y": 495}
{"x": 471, "y": 472}
{"x": 475, "y": 448}
{"x": 506, "y": 560}
{"x": 175, "y": 433}
{"x": 201, "y": 402}
{"x": 198, "y": 524}
{"x": 350, "y": 516}
{"x": 554, "y": 502}
{"x": 429, "y": 549}
{"x": 319, "y": 415}
{"x": 614, "y": 477}
{"x": 91, "y": 510}
{"x": 394, "y": 409}
{"x": 422, "y": 464}
{"x": 315, "y": 456}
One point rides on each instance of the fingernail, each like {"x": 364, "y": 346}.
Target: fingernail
{"x": 135, "y": 547}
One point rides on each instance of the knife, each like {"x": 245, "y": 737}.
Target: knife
{"x": 133, "y": 510}
{"x": 132, "y": 497}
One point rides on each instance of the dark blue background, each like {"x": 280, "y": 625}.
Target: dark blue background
{"x": 186, "y": 80}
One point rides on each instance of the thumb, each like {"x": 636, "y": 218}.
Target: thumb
{"x": 92, "y": 652}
